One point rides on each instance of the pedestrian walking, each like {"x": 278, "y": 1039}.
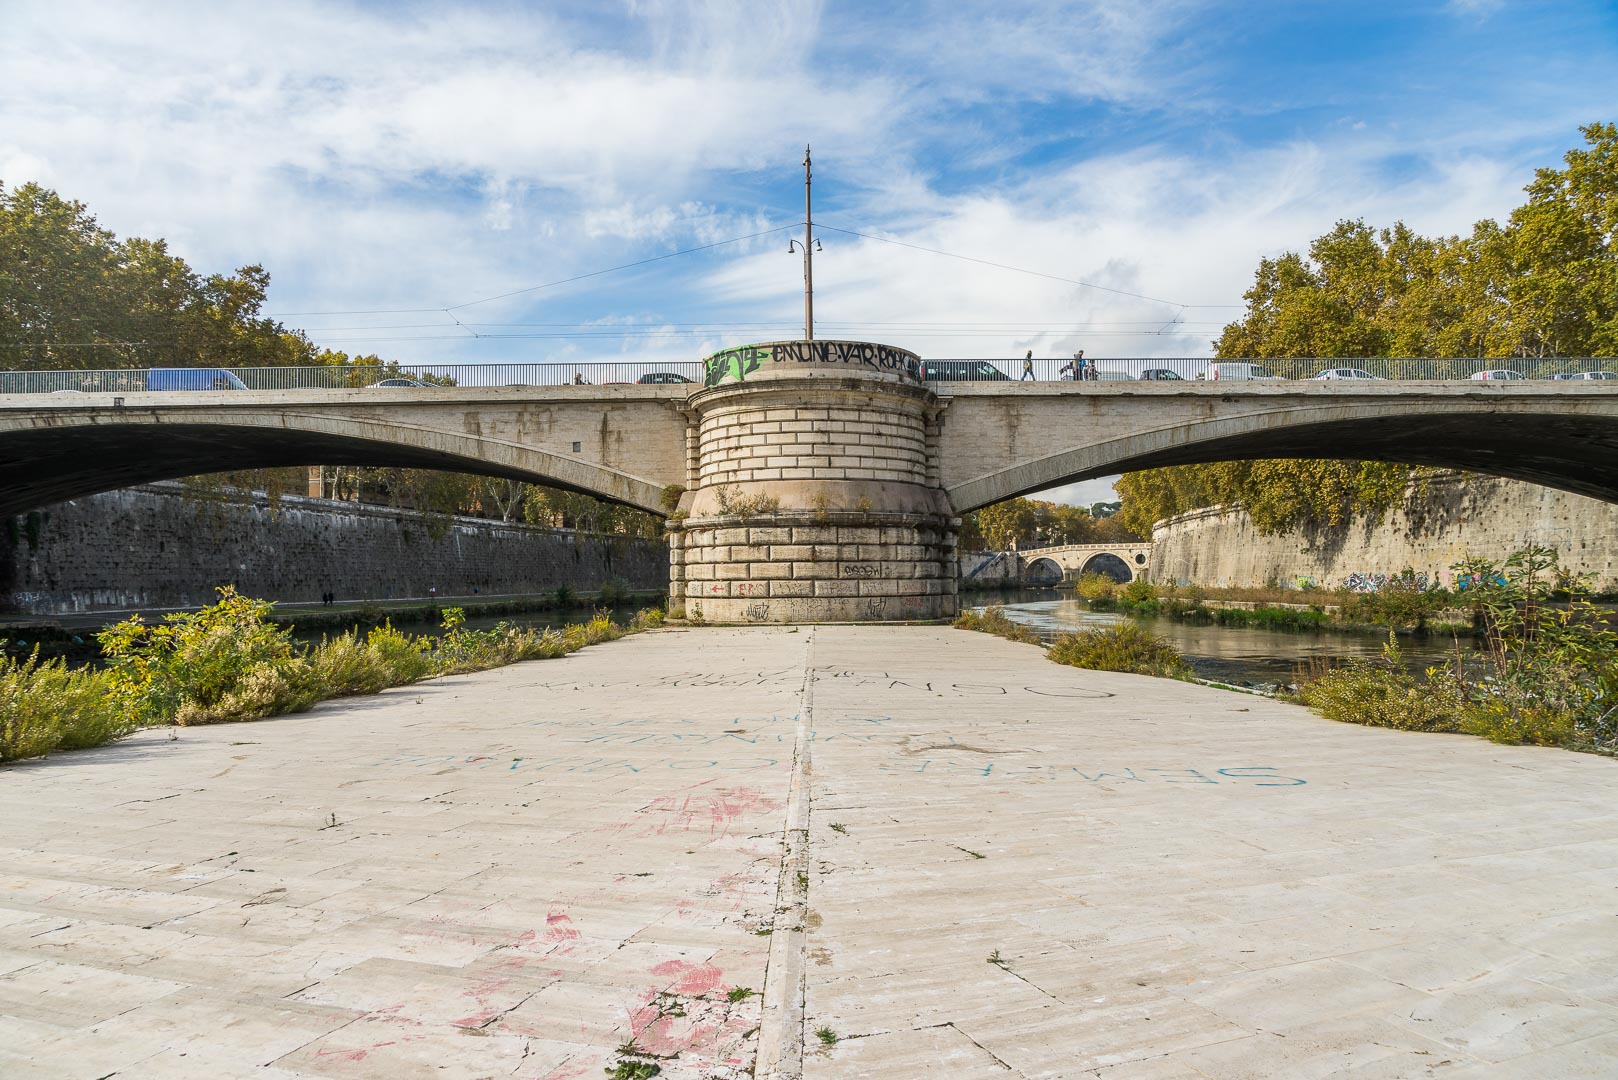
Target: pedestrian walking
{"x": 1027, "y": 366}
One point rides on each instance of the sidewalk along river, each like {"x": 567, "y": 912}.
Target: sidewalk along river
{"x": 1239, "y": 655}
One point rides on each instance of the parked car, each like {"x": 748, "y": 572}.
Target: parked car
{"x": 397, "y": 382}
{"x": 1228, "y": 371}
{"x": 1158, "y": 374}
{"x": 1347, "y": 373}
{"x": 1588, "y": 375}
{"x": 662, "y": 377}
{"x": 961, "y": 371}
{"x": 1495, "y": 374}
{"x": 193, "y": 378}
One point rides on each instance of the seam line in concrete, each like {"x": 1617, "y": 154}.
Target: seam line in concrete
{"x": 781, "y": 1034}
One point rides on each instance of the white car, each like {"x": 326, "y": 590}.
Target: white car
{"x": 1496, "y": 375}
{"x": 1587, "y": 375}
{"x": 1237, "y": 371}
{"x": 1347, "y": 373}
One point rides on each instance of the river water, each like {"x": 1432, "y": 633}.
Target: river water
{"x": 1242, "y": 656}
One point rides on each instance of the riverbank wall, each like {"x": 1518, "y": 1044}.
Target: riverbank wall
{"x": 1442, "y": 521}
{"x": 157, "y": 546}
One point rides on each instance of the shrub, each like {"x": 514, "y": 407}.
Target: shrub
{"x": 45, "y": 707}
{"x": 992, "y": 620}
{"x": 1125, "y": 647}
{"x": 224, "y": 662}
{"x": 1380, "y": 693}
{"x": 1093, "y": 587}
{"x": 1139, "y": 591}
{"x": 346, "y": 665}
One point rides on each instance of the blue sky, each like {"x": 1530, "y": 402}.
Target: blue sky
{"x": 381, "y": 156}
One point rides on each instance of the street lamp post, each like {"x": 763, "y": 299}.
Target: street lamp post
{"x": 809, "y": 245}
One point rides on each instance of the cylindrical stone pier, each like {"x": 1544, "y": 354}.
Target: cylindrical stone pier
{"x": 814, "y": 491}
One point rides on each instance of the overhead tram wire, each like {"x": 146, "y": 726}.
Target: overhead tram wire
{"x": 536, "y": 288}
{"x": 1022, "y": 270}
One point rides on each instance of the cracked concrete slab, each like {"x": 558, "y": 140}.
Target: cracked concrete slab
{"x": 1035, "y": 872}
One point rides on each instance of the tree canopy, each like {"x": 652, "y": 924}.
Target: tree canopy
{"x": 1033, "y": 523}
{"x": 1543, "y": 284}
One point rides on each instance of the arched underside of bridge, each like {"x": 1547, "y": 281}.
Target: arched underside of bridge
{"x": 1572, "y": 451}
{"x": 49, "y": 464}
{"x": 1043, "y": 572}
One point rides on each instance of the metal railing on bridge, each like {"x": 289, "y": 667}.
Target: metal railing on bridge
{"x": 1205, "y": 369}
{"x": 135, "y": 380}
{"x": 1576, "y": 370}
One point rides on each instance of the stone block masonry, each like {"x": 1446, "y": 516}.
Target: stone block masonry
{"x": 814, "y": 498}
{"x": 154, "y": 547}
{"x": 1443, "y": 521}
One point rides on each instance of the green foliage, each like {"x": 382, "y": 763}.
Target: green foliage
{"x": 224, "y": 662}
{"x": 1401, "y": 603}
{"x": 1381, "y": 693}
{"x": 992, "y": 620}
{"x": 1280, "y": 495}
{"x": 347, "y": 665}
{"x": 1545, "y": 284}
{"x": 1034, "y": 523}
{"x": 1551, "y": 672}
{"x": 75, "y": 296}
{"x": 1095, "y": 587}
{"x": 632, "y": 1069}
{"x": 1125, "y": 647}
{"x": 613, "y": 592}
{"x": 228, "y": 662}
{"x": 732, "y": 502}
{"x": 1138, "y": 591}
{"x": 45, "y": 707}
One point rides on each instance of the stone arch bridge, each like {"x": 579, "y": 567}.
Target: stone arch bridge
{"x": 812, "y": 479}
{"x": 1052, "y": 565}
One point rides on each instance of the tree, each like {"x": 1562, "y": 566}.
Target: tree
{"x": 1544, "y": 284}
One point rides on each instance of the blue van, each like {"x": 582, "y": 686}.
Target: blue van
{"x": 192, "y": 378}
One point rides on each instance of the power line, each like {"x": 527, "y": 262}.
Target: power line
{"x": 1023, "y": 270}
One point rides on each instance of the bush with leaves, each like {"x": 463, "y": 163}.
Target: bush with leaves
{"x": 1125, "y": 647}
{"x": 1096, "y": 587}
{"x": 46, "y": 706}
{"x": 1550, "y": 671}
{"x": 224, "y": 662}
{"x": 1381, "y": 693}
{"x": 993, "y": 620}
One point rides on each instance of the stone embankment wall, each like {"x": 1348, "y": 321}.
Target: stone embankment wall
{"x": 1458, "y": 517}
{"x": 154, "y": 547}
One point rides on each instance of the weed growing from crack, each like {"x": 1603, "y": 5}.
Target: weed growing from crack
{"x": 969, "y": 851}
{"x": 996, "y": 960}
{"x": 738, "y": 993}
{"x": 634, "y": 1070}
{"x": 839, "y": 827}
{"x": 827, "y": 1036}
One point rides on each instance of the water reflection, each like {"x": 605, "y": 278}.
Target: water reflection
{"x": 1244, "y": 656}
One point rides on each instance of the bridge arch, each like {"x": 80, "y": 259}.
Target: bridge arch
{"x": 74, "y": 453}
{"x": 1042, "y": 572}
{"x": 1110, "y": 565}
{"x": 1556, "y": 444}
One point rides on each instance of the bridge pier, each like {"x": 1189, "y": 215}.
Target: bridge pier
{"x": 813, "y": 491}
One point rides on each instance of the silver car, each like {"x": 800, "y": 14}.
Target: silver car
{"x": 1496, "y": 375}
{"x": 1348, "y": 373}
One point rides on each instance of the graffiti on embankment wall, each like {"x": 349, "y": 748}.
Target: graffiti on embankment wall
{"x": 1457, "y": 518}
